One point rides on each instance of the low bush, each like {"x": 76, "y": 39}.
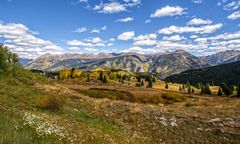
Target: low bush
{"x": 173, "y": 97}
{"x": 51, "y": 102}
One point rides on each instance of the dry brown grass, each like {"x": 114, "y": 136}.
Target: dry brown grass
{"x": 51, "y": 102}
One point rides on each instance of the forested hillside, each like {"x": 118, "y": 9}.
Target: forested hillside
{"x": 228, "y": 73}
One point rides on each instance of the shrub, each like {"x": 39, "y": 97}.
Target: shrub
{"x": 173, "y": 97}
{"x": 51, "y": 102}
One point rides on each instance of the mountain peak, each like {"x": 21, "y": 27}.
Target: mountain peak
{"x": 180, "y": 51}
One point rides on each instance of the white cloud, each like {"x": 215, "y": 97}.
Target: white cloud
{"x": 98, "y": 30}
{"x": 168, "y": 11}
{"x": 127, "y": 19}
{"x": 96, "y": 40}
{"x": 81, "y": 30}
{"x": 78, "y": 43}
{"x": 145, "y": 40}
{"x": 201, "y": 30}
{"x": 104, "y": 28}
{"x": 91, "y": 49}
{"x": 126, "y": 35}
{"x": 148, "y": 21}
{"x": 199, "y": 21}
{"x": 74, "y": 48}
{"x": 235, "y": 15}
{"x": 25, "y": 42}
{"x": 109, "y": 8}
{"x": 174, "y": 38}
{"x": 89, "y": 43}
{"x": 141, "y": 50}
{"x": 95, "y": 30}
{"x": 193, "y": 36}
{"x": 197, "y": 1}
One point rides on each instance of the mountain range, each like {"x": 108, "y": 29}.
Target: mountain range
{"x": 161, "y": 64}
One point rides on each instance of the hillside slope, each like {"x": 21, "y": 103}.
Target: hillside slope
{"x": 229, "y": 73}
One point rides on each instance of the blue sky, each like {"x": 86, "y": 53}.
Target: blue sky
{"x": 33, "y": 28}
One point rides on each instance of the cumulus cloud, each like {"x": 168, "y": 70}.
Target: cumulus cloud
{"x": 20, "y": 39}
{"x": 147, "y": 21}
{"x": 174, "y": 38}
{"x": 124, "y": 20}
{"x": 92, "y": 49}
{"x": 109, "y": 8}
{"x": 207, "y": 29}
{"x": 197, "y": 1}
{"x": 235, "y": 15}
{"x": 140, "y": 50}
{"x": 126, "y": 35}
{"x": 80, "y": 30}
{"x": 199, "y": 21}
{"x": 89, "y": 44}
{"x": 145, "y": 40}
{"x": 168, "y": 11}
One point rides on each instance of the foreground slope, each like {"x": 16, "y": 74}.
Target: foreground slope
{"x": 86, "y": 119}
{"x": 229, "y": 73}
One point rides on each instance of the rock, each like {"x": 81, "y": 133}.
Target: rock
{"x": 215, "y": 120}
{"x": 199, "y": 129}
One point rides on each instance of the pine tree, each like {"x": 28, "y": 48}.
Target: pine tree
{"x": 192, "y": 90}
{"x": 207, "y": 89}
{"x": 202, "y": 90}
{"x": 166, "y": 85}
{"x": 183, "y": 87}
{"x": 150, "y": 84}
{"x": 101, "y": 76}
{"x": 189, "y": 89}
{"x": 180, "y": 88}
{"x": 226, "y": 89}
{"x": 220, "y": 92}
{"x": 154, "y": 80}
{"x": 104, "y": 79}
{"x": 88, "y": 78}
{"x": 238, "y": 91}
{"x": 72, "y": 72}
{"x": 3, "y": 59}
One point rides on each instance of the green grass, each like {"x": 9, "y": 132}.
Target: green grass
{"x": 12, "y": 131}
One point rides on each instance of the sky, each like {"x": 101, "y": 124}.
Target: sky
{"x": 32, "y": 28}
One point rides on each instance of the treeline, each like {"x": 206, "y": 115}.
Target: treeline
{"x": 224, "y": 89}
{"x": 225, "y": 73}
{"x": 7, "y": 59}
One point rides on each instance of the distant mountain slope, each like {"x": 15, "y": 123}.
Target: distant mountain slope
{"x": 172, "y": 63}
{"x": 161, "y": 64}
{"x": 229, "y": 73}
{"x": 24, "y": 61}
{"x": 223, "y": 57}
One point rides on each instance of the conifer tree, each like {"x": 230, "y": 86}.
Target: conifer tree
{"x": 150, "y": 84}
{"x": 207, "y": 89}
{"x": 220, "y": 91}
{"x": 101, "y": 76}
{"x": 166, "y": 85}
{"x": 104, "y": 79}
{"x": 154, "y": 80}
{"x": 238, "y": 91}
{"x": 189, "y": 89}
{"x": 180, "y": 88}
